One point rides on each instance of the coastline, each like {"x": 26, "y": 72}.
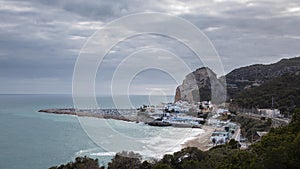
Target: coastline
{"x": 198, "y": 139}
{"x": 201, "y": 141}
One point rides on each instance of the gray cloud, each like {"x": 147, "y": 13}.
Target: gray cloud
{"x": 40, "y": 39}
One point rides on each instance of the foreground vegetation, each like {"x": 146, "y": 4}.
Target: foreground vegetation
{"x": 280, "y": 148}
{"x": 80, "y": 163}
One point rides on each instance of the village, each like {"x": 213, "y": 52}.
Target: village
{"x": 205, "y": 115}
{"x": 200, "y": 114}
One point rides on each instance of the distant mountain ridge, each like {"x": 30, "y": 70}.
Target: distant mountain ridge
{"x": 255, "y": 75}
{"x": 238, "y": 80}
{"x": 262, "y": 72}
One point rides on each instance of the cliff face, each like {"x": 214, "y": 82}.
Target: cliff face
{"x": 202, "y": 84}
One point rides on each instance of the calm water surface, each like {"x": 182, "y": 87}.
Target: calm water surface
{"x": 33, "y": 140}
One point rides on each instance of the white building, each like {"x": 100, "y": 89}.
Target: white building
{"x": 271, "y": 113}
{"x": 219, "y": 137}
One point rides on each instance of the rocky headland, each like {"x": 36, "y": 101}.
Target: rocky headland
{"x": 200, "y": 85}
{"x": 203, "y": 84}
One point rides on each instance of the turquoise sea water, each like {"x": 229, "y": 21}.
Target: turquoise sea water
{"x": 33, "y": 140}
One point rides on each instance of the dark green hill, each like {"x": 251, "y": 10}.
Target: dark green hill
{"x": 260, "y": 72}
{"x": 285, "y": 91}
{"x": 249, "y": 76}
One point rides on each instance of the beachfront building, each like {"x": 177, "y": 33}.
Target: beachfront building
{"x": 223, "y": 132}
{"x": 219, "y": 137}
{"x": 230, "y": 127}
{"x": 170, "y": 107}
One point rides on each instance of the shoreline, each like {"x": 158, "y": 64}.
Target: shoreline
{"x": 201, "y": 141}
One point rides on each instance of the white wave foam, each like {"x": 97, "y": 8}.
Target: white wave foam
{"x": 116, "y": 136}
{"x": 168, "y": 143}
{"x": 103, "y": 154}
{"x": 81, "y": 152}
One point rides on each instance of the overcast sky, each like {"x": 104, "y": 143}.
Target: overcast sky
{"x": 40, "y": 39}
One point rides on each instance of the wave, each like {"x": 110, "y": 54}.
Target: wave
{"x": 103, "y": 154}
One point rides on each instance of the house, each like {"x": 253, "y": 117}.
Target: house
{"x": 270, "y": 113}
{"x": 219, "y": 137}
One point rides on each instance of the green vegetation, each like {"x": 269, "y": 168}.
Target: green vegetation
{"x": 284, "y": 90}
{"x": 250, "y": 125}
{"x": 125, "y": 160}
{"x": 80, "y": 163}
{"x": 263, "y": 73}
{"x": 253, "y": 75}
{"x": 280, "y": 148}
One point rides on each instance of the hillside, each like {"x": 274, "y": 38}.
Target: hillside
{"x": 257, "y": 74}
{"x": 197, "y": 85}
{"x": 284, "y": 90}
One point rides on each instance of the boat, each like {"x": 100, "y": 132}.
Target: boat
{"x": 159, "y": 123}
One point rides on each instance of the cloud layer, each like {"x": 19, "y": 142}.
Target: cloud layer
{"x": 40, "y": 39}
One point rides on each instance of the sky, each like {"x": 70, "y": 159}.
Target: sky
{"x": 40, "y": 40}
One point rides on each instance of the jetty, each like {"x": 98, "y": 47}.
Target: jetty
{"x": 131, "y": 115}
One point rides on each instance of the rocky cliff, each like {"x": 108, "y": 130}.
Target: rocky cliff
{"x": 201, "y": 84}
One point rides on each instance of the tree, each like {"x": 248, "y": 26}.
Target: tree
{"x": 161, "y": 166}
{"x": 233, "y": 144}
{"x": 191, "y": 164}
{"x": 125, "y": 160}
{"x": 80, "y": 163}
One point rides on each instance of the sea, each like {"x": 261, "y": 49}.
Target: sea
{"x": 33, "y": 140}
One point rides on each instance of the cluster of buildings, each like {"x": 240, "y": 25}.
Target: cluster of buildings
{"x": 225, "y": 130}
{"x": 184, "y": 106}
{"x": 180, "y": 114}
{"x": 184, "y": 114}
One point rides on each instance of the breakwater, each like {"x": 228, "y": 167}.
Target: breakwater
{"x": 131, "y": 115}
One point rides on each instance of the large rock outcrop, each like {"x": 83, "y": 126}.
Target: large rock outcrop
{"x": 202, "y": 84}
{"x": 258, "y": 74}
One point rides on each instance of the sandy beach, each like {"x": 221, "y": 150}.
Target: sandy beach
{"x": 201, "y": 141}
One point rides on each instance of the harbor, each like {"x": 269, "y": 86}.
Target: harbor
{"x": 180, "y": 114}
